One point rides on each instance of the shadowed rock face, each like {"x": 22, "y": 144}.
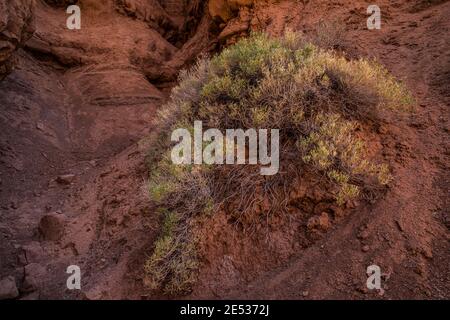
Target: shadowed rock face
{"x": 75, "y": 100}
{"x": 149, "y": 11}
{"x": 60, "y": 3}
{"x": 16, "y": 27}
{"x": 107, "y": 75}
{"x": 223, "y": 9}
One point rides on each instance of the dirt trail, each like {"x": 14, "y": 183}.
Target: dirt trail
{"x": 81, "y": 103}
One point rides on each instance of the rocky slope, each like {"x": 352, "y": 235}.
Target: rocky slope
{"x": 16, "y": 27}
{"x": 75, "y": 102}
{"x": 77, "y": 107}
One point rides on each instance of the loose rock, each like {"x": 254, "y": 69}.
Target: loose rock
{"x": 51, "y": 226}
{"x": 65, "y": 179}
{"x": 8, "y": 288}
{"x": 321, "y": 222}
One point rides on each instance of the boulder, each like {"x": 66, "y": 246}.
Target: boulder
{"x": 8, "y": 288}
{"x": 34, "y": 273}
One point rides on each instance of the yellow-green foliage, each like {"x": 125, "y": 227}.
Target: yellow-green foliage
{"x": 331, "y": 147}
{"x": 165, "y": 178}
{"x": 316, "y": 98}
{"x": 173, "y": 264}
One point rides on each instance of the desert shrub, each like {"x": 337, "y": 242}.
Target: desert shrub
{"x": 174, "y": 259}
{"x": 321, "y": 102}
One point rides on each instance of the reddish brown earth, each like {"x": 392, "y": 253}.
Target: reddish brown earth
{"x": 80, "y": 103}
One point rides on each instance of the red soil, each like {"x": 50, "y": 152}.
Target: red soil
{"x": 81, "y": 103}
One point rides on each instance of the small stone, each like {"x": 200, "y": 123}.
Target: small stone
{"x": 419, "y": 270}
{"x": 363, "y": 235}
{"x": 40, "y": 126}
{"x": 399, "y": 225}
{"x": 65, "y": 179}
{"x": 382, "y": 129}
{"x": 8, "y": 288}
{"x": 338, "y": 212}
{"x": 365, "y": 248}
{"x": 305, "y": 293}
{"x": 427, "y": 253}
{"x": 362, "y": 290}
{"x": 321, "y": 222}
{"x": 51, "y": 226}
{"x": 93, "y": 295}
